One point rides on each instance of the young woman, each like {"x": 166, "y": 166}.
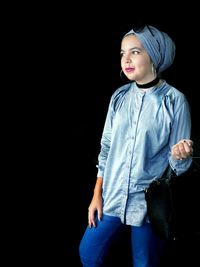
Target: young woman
{"x": 148, "y": 125}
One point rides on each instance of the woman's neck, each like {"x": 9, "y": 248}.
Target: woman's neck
{"x": 149, "y": 84}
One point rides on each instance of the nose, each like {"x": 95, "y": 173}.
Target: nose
{"x": 127, "y": 59}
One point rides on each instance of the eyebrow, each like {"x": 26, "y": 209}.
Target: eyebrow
{"x": 133, "y": 48}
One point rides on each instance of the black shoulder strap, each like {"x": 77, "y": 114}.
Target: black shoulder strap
{"x": 168, "y": 173}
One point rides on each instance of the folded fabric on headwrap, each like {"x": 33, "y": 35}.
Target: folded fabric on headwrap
{"x": 158, "y": 45}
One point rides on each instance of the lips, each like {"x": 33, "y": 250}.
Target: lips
{"x": 129, "y": 69}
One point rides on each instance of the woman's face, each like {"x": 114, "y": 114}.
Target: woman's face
{"x": 135, "y": 62}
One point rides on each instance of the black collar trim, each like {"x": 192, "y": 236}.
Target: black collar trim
{"x": 150, "y": 84}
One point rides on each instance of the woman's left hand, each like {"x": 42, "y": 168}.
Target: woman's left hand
{"x": 182, "y": 149}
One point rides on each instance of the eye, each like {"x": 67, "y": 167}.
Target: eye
{"x": 135, "y": 52}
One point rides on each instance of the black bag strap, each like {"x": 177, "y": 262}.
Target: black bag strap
{"x": 168, "y": 173}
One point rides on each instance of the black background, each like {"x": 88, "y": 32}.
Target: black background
{"x": 76, "y": 66}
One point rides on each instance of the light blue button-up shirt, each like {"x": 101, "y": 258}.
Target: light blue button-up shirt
{"x": 139, "y": 132}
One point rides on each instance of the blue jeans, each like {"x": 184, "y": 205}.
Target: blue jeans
{"x": 147, "y": 248}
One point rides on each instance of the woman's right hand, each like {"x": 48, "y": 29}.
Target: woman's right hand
{"x": 96, "y": 206}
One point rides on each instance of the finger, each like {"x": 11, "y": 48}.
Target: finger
{"x": 187, "y": 146}
{"x": 189, "y": 142}
{"x": 176, "y": 152}
{"x": 91, "y": 219}
{"x": 89, "y": 222}
{"x": 99, "y": 214}
{"x": 181, "y": 147}
{"x": 184, "y": 149}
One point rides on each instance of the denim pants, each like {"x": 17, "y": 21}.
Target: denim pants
{"x": 147, "y": 248}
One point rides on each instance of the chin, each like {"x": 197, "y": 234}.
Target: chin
{"x": 130, "y": 77}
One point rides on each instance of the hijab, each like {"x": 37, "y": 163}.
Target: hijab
{"x": 158, "y": 45}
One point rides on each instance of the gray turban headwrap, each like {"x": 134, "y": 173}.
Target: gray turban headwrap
{"x": 158, "y": 45}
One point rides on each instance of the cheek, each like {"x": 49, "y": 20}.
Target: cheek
{"x": 145, "y": 65}
{"x": 143, "y": 61}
